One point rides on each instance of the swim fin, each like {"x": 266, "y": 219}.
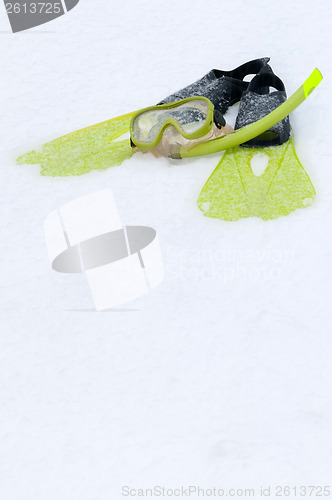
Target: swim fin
{"x": 236, "y": 189}
{"x": 84, "y": 150}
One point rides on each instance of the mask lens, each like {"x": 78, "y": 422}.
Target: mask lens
{"x": 189, "y": 117}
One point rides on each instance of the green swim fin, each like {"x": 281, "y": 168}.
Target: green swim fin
{"x": 236, "y": 189}
{"x": 234, "y": 192}
{"x": 84, "y": 150}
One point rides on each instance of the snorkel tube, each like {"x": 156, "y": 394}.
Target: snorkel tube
{"x": 247, "y": 133}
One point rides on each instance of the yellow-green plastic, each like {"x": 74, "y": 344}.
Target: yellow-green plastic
{"x": 234, "y": 192}
{"x": 205, "y": 129}
{"x": 77, "y": 153}
{"x": 247, "y": 133}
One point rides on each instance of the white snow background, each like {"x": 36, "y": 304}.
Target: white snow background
{"x": 222, "y": 376}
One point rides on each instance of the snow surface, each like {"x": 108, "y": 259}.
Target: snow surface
{"x": 222, "y": 376}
